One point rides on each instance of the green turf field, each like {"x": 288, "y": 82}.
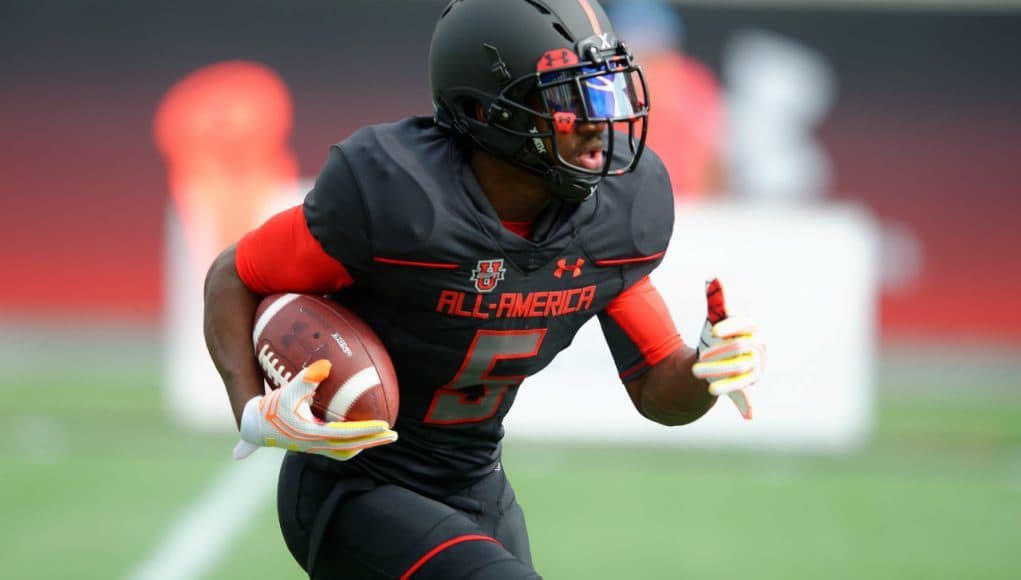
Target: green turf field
{"x": 91, "y": 480}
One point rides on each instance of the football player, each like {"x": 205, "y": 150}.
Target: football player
{"x": 476, "y": 243}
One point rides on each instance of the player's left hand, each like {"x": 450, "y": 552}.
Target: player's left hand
{"x": 284, "y": 418}
{"x": 730, "y": 355}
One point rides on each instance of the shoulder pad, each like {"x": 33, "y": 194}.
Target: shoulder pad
{"x": 635, "y": 218}
{"x": 403, "y": 171}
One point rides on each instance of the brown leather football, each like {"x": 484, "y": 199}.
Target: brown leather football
{"x": 294, "y": 330}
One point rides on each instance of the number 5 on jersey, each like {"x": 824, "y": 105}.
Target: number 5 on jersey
{"x": 452, "y": 404}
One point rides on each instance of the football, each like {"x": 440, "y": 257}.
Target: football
{"x": 295, "y": 330}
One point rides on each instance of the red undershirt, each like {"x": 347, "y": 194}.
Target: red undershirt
{"x": 523, "y": 229}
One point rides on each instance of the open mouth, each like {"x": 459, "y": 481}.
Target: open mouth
{"x": 591, "y": 159}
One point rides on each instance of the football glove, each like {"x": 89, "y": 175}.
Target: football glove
{"x": 284, "y": 419}
{"x": 730, "y": 356}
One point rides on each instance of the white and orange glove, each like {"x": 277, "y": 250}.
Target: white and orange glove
{"x": 730, "y": 355}
{"x": 284, "y": 419}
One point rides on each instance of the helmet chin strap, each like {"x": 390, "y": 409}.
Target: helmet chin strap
{"x": 570, "y": 186}
{"x": 561, "y": 183}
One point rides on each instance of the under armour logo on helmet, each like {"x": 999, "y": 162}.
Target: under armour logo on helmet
{"x": 556, "y": 58}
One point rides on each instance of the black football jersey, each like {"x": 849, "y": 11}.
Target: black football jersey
{"x": 466, "y": 308}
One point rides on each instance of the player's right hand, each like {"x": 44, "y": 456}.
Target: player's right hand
{"x": 284, "y": 419}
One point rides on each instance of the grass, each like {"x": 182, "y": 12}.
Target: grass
{"x": 91, "y": 480}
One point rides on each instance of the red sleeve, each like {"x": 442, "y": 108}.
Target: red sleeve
{"x": 642, "y": 315}
{"x": 283, "y": 256}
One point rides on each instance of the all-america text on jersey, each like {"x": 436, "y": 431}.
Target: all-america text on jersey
{"x": 542, "y": 304}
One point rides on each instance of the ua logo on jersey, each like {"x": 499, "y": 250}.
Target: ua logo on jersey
{"x": 487, "y": 274}
{"x": 574, "y": 269}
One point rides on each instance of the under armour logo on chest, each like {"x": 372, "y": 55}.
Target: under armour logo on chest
{"x": 563, "y": 266}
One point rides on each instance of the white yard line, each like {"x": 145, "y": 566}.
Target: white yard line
{"x": 203, "y": 534}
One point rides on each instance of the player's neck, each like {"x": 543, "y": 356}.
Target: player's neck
{"x": 515, "y": 194}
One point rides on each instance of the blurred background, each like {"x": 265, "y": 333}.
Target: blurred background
{"x": 139, "y": 138}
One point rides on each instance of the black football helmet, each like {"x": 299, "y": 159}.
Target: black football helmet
{"x": 538, "y": 67}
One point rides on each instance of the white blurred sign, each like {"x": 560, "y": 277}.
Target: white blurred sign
{"x": 194, "y": 395}
{"x": 808, "y": 275}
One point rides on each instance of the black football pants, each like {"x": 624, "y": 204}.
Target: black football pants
{"x": 352, "y": 528}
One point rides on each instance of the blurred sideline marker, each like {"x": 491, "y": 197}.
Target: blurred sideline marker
{"x": 224, "y": 132}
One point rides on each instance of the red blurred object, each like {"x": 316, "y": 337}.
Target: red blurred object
{"x": 223, "y": 131}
